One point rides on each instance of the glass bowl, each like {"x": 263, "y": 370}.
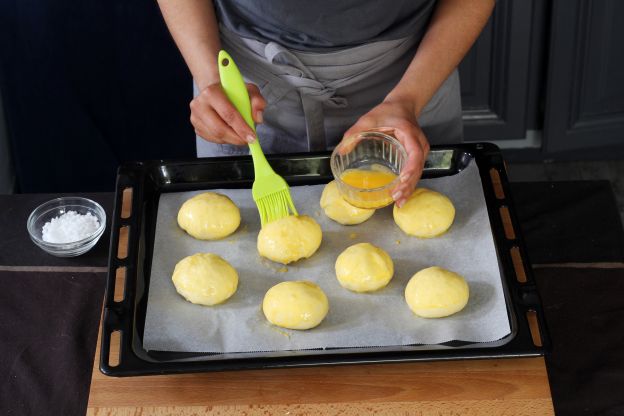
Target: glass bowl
{"x": 56, "y": 207}
{"x": 368, "y": 151}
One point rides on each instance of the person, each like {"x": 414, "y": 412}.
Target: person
{"x": 319, "y": 71}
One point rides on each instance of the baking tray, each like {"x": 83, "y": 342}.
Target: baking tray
{"x": 139, "y": 186}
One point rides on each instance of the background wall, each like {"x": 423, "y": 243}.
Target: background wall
{"x": 7, "y": 178}
{"x": 90, "y": 84}
{"x": 87, "y": 85}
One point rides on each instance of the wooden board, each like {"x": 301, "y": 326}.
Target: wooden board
{"x": 478, "y": 387}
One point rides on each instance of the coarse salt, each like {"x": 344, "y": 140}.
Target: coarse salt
{"x": 70, "y": 227}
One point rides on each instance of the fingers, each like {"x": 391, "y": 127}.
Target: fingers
{"x": 216, "y": 119}
{"x": 258, "y": 103}
{"x": 361, "y": 125}
{"x": 209, "y": 125}
{"x": 417, "y": 148}
{"x": 228, "y": 113}
{"x": 349, "y": 138}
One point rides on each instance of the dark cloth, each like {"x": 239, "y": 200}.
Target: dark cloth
{"x": 48, "y": 334}
{"x": 584, "y": 311}
{"x": 578, "y": 222}
{"x": 575, "y": 221}
{"x": 16, "y": 248}
{"x": 322, "y": 24}
{"x": 48, "y": 320}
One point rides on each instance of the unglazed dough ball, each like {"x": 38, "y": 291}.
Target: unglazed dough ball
{"x": 341, "y": 211}
{"x": 426, "y": 214}
{"x": 209, "y": 216}
{"x": 289, "y": 239}
{"x": 436, "y": 292}
{"x": 364, "y": 268}
{"x": 295, "y": 305}
{"x": 205, "y": 279}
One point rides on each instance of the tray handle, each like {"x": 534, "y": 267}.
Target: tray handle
{"x": 525, "y": 289}
{"x": 120, "y": 290}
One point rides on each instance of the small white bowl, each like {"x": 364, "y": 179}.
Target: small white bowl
{"x": 56, "y": 207}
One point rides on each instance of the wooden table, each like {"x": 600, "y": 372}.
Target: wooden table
{"x": 477, "y": 387}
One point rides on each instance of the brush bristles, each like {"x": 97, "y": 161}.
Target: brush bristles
{"x": 275, "y": 206}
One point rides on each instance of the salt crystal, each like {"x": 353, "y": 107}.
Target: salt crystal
{"x": 70, "y": 227}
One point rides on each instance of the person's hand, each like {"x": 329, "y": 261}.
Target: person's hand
{"x": 398, "y": 118}
{"x": 216, "y": 120}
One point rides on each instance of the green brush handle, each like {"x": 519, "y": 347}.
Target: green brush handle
{"x": 236, "y": 91}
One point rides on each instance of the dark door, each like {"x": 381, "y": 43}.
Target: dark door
{"x": 497, "y": 74}
{"x": 585, "y": 93}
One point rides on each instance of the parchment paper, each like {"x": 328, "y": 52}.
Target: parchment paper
{"x": 355, "y": 320}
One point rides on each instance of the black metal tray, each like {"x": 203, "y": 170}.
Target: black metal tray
{"x": 124, "y": 316}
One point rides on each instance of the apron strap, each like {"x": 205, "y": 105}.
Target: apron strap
{"x": 286, "y": 71}
{"x": 315, "y": 125}
{"x": 313, "y": 93}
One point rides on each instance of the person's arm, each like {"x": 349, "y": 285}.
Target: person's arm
{"x": 194, "y": 28}
{"x": 454, "y": 27}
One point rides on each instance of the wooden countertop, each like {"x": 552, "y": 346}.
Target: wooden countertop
{"x": 472, "y": 387}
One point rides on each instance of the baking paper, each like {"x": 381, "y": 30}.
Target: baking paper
{"x": 375, "y": 319}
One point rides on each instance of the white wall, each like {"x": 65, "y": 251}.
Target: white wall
{"x": 7, "y": 178}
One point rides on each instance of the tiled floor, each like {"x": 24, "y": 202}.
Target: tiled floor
{"x": 570, "y": 171}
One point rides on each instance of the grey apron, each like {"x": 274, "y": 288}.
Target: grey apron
{"x": 313, "y": 98}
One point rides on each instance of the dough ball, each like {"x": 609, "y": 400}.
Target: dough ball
{"x": 205, "y": 279}
{"x": 295, "y": 305}
{"x": 341, "y": 211}
{"x": 436, "y": 292}
{"x": 209, "y": 216}
{"x": 364, "y": 268}
{"x": 426, "y": 214}
{"x": 289, "y": 239}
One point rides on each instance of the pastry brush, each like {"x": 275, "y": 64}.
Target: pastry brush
{"x": 270, "y": 191}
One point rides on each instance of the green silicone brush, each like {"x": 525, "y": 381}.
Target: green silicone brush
{"x": 270, "y": 191}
